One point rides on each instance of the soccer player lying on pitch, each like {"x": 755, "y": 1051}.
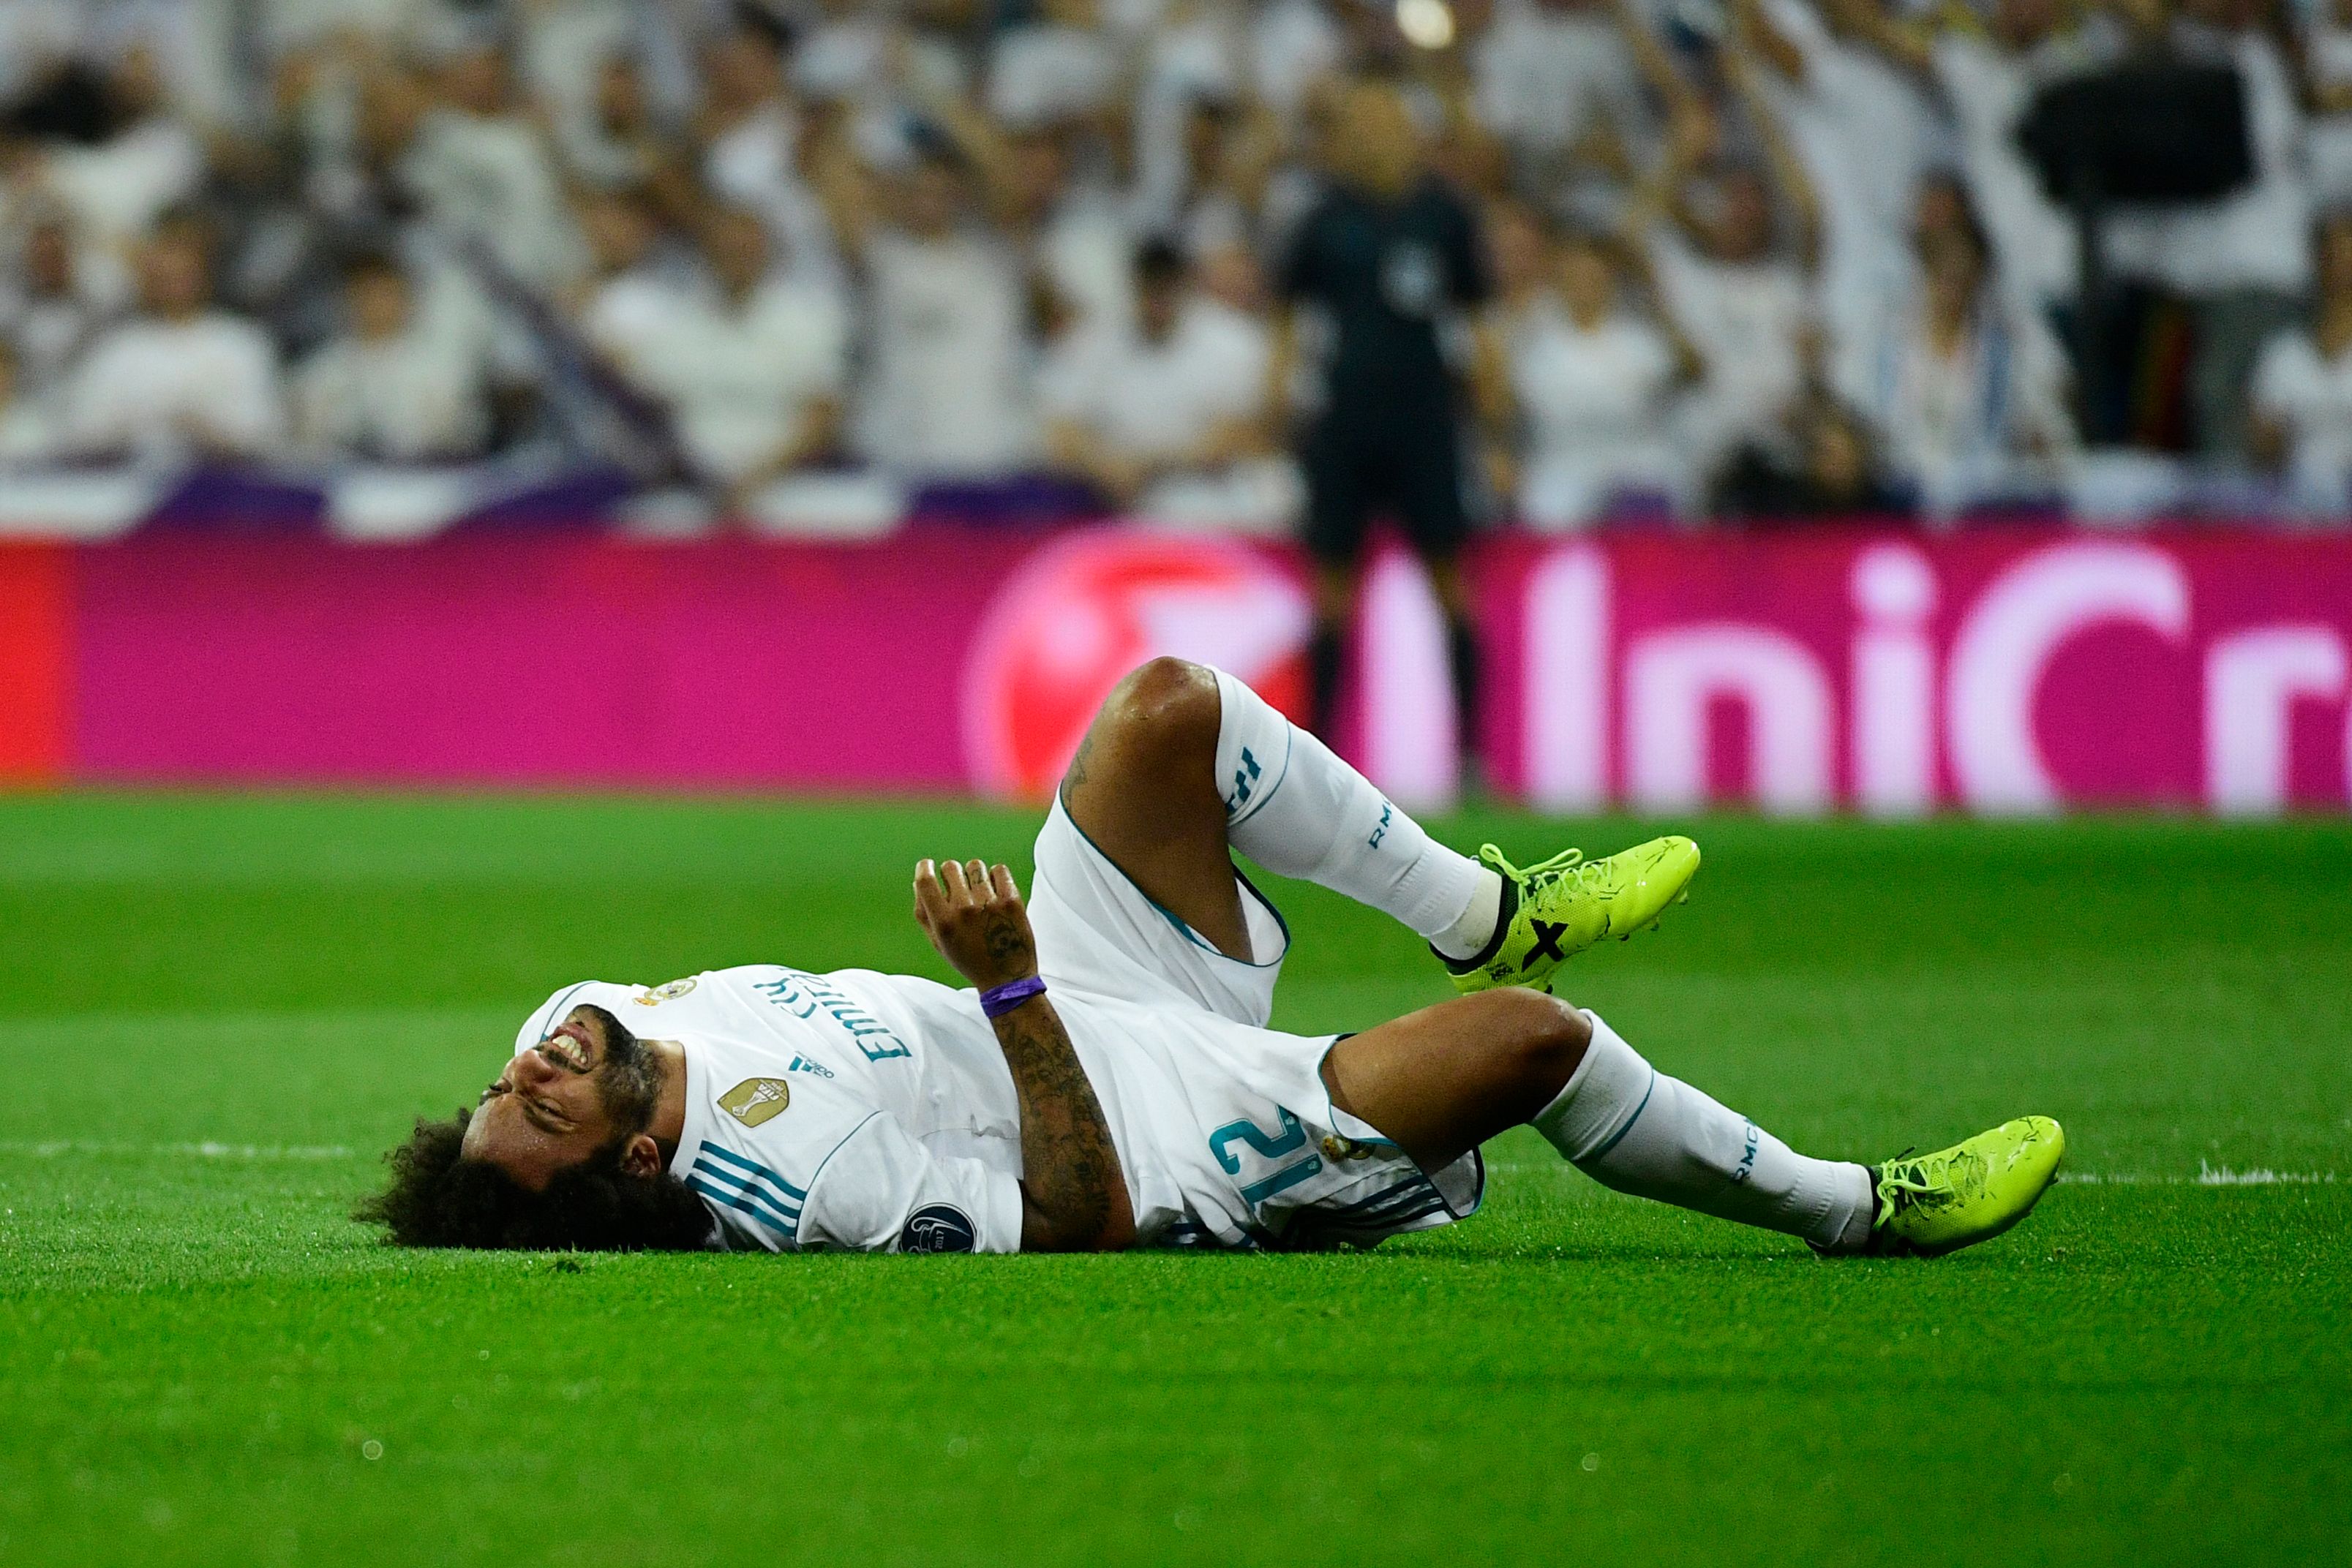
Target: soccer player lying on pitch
{"x": 1108, "y": 1081}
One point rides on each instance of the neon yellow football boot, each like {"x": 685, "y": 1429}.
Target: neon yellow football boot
{"x": 1929, "y": 1205}
{"x": 1557, "y": 909}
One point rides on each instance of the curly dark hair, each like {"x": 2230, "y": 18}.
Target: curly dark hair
{"x": 438, "y": 1199}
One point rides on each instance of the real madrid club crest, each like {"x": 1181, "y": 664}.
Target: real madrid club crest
{"x": 755, "y": 1100}
{"x": 656, "y": 995}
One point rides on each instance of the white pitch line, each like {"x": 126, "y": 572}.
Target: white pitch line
{"x": 2207, "y": 1175}
{"x": 2261, "y": 1175}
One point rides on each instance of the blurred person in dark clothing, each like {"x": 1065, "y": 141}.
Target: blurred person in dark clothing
{"x": 1824, "y": 465}
{"x": 1387, "y": 257}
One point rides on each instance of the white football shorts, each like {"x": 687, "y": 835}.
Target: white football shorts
{"x": 1228, "y": 1132}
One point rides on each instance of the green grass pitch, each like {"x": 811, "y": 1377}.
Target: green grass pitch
{"x": 219, "y": 1010}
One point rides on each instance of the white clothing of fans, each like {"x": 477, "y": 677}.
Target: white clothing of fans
{"x": 28, "y": 434}
{"x": 2257, "y": 238}
{"x": 1546, "y": 79}
{"x": 117, "y": 189}
{"x": 493, "y": 179}
{"x": 1192, "y": 61}
{"x": 843, "y": 56}
{"x": 848, "y": 57}
{"x": 153, "y": 389}
{"x": 740, "y": 380}
{"x": 2035, "y": 250}
{"x": 755, "y": 164}
{"x": 1598, "y": 406}
{"x": 415, "y": 396}
{"x": 1084, "y": 252}
{"x": 303, "y": 23}
{"x": 49, "y": 334}
{"x": 1747, "y": 319}
{"x": 196, "y": 47}
{"x": 948, "y": 392}
{"x": 1967, "y": 427}
{"x": 559, "y": 53}
{"x": 1293, "y": 45}
{"x": 1045, "y": 72}
{"x": 1158, "y": 401}
{"x": 1866, "y": 133}
{"x": 629, "y": 314}
{"x": 2308, "y": 395}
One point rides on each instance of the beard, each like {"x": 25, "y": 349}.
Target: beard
{"x": 627, "y": 1079}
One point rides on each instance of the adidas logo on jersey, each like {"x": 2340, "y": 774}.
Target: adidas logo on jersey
{"x": 803, "y": 1064}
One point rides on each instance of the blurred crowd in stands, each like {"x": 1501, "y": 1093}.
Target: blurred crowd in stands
{"x": 802, "y": 260}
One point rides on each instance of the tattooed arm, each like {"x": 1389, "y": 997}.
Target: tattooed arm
{"x": 1072, "y": 1194}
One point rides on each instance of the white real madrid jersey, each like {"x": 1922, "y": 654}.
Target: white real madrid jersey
{"x": 851, "y": 1110}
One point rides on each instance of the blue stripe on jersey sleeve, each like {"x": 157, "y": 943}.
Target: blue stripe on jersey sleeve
{"x": 754, "y": 1169}
{"x": 749, "y": 1186}
{"x": 735, "y": 1182}
{"x": 736, "y": 1202}
{"x": 756, "y": 1204}
{"x": 725, "y": 1181}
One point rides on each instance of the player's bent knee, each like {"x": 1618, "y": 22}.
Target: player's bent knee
{"x": 1166, "y": 704}
{"x": 1540, "y": 1039}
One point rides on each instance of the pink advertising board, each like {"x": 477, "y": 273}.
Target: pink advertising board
{"x": 1998, "y": 672}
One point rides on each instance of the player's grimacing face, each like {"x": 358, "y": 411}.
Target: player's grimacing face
{"x": 587, "y": 1085}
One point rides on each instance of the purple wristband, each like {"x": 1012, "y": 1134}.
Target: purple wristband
{"x": 998, "y": 1000}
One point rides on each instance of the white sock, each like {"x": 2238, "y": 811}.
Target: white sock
{"x": 1631, "y": 1128}
{"x": 1470, "y": 935}
{"x": 1298, "y": 811}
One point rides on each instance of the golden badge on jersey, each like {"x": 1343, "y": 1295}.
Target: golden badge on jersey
{"x": 755, "y": 1100}
{"x": 654, "y": 995}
